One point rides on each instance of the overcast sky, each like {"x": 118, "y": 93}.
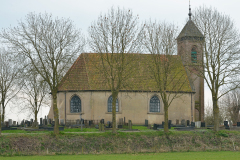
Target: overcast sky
{"x": 83, "y": 12}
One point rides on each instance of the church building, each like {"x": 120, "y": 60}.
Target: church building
{"x": 79, "y": 91}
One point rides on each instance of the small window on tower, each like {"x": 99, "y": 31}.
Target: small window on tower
{"x": 194, "y": 55}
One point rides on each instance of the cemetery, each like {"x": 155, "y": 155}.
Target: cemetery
{"x": 47, "y": 124}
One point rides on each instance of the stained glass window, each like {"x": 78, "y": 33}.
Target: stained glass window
{"x": 154, "y": 104}
{"x": 110, "y": 99}
{"x": 75, "y": 104}
{"x": 194, "y": 55}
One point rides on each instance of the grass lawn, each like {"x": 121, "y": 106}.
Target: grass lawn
{"x": 171, "y": 155}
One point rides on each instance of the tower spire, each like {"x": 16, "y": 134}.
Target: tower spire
{"x": 189, "y": 14}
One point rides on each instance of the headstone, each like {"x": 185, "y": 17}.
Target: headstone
{"x": 177, "y": 121}
{"x": 45, "y": 122}
{"x": 188, "y": 123}
{"x": 169, "y": 124}
{"x": 7, "y": 124}
{"x": 50, "y": 121}
{"x": 10, "y": 122}
{"x": 102, "y": 121}
{"x": 41, "y": 121}
{"x": 155, "y": 126}
{"x": 203, "y": 124}
{"x": 183, "y": 122}
{"x": 31, "y": 122}
{"x": 109, "y": 124}
{"x": 120, "y": 121}
{"x": 129, "y": 124}
{"x": 14, "y": 123}
{"x": 146, "y": 122}
{"x": 101, "y": 127}
{"x": 238, "y": 124}
{"x": 120, "y": 126}
{"x": 198, "y": 124}
{"x": 22, "y": 122}
{"x": 61, "y": 122}
{"x": 225, "y": 123}
{"x": 192, "y": 124}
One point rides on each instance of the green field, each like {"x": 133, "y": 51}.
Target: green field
{"x": 171, "y": 155}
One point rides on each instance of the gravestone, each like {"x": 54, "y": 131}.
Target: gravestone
{"x": 169, "y": 124}
{"x": 203, "y": 124}
{"x": 198, "y": 124}
{"x": 120, "y": 121}
{"x": 61, "y": 122}
{"x": 14, "y": 123}
{"x": 6, "y": 124}
{"x": 10, "y": 122}
{"x": 22, "y": 122}
{"x": 120, "y": 126}
{"x": 50, "y": 121}
{"x": 53, "y": 123}
{"x": 225, "y": 123}
{"x": 129, "y": 124}
{"x": 188, "y": 123}
{"x": 109, "y": 124}
{"x": 31, "y": 122}
{"x": 46, "y": 123}
{"x": 146, "y": 122}
{"x": 183, "y": 122}
{"x": 102, "y": 121}
{"x": 41, "y": 121}
{"x": 192, "y": 124}
{"x": 238, "y": 124}
{"x": 101, "y": 127}
{"x": 177, "y": 122}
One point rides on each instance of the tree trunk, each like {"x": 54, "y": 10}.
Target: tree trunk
{"x": 0, "y": 122}
{"x": 3, "y": 112}
{"x": 166, "y": 117}
{"x": 35, "y": 122}
{"x": 114, "y": 96}
{"x": 216, "y": 114}
{"x": 55, "y": 111}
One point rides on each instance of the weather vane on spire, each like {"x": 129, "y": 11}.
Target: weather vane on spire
{"x": 190, "y": 14}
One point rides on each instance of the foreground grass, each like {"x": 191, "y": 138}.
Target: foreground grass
{"x": 171, "y": 155}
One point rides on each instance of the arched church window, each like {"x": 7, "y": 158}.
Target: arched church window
{"x": 75, "y": 104}
{"x": 154, "y": 104}
{"x": 110, "y": 99}
{"x": 194, "y": 54}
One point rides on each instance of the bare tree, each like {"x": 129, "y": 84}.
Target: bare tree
{"x": 49, "y": 45}
{"x": 231, "y": 103}
{"x": 34, "y": 94}
{"x": 166, "y": 68}
{"x": 114, "y": 36}
{"x": 9, "y": 81}
{"x": 221, "y": 54}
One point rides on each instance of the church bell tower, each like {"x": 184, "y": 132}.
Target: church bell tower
{"x": 190, "y": 47}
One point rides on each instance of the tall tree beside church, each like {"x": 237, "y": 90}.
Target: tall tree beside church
{"x": 9, "y": 81}
{"x": 113, "y": 36}
{"x": 50, "y": 45}
{"x": 221, "y": 54}
{"x": 160, "y": 40}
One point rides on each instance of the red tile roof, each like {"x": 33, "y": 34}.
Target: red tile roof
{"x": 86, "y": 74}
